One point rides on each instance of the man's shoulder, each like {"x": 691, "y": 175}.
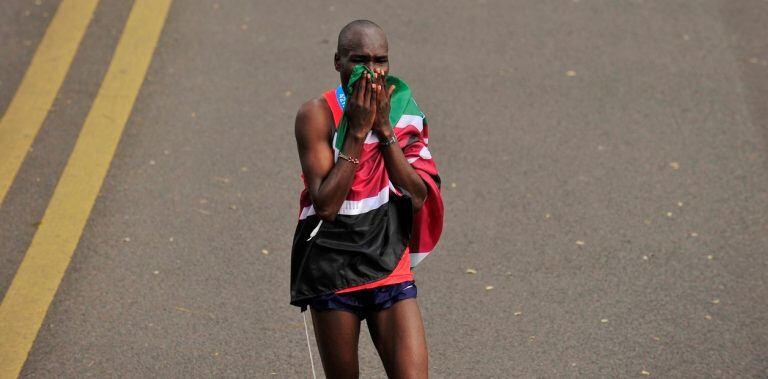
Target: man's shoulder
{"x": 313, "y": 113}
{"x": 314, "y": 105}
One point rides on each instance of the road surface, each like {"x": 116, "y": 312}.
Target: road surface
{"x": 604, "y": 170}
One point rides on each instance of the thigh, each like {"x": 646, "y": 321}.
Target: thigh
{"x": 398, "y": 334}
{"x": 337, "y": 334}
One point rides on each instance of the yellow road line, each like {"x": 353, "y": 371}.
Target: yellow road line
{"x": 39, "y": 275}
{"x": 38, "y": 88}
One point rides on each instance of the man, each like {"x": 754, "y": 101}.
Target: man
{"x": 371, "y": 209}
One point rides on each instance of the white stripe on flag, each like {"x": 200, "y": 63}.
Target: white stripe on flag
{"x": 416, "y": 258}
{"x": 371, "y": 138}
{"x": 405, "y": 121}
{"x": 424, "y": 153}
{"x": 356, "y": 207}
{"x": 335, "y": 150}
{"x": 408, "y": 120}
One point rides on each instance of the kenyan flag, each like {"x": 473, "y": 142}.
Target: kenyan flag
{"x": 376, "y": 234}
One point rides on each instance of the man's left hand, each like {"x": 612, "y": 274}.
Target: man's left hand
{"x": 381, "y": 125}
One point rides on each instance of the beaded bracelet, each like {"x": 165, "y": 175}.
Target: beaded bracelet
{"x": 347, "y": 157}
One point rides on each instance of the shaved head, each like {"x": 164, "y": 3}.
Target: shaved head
{"x": 361, "y": 42}
{"x": 351, "y": 34}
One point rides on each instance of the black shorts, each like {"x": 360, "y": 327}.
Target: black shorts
{"x": 362, "y": 301}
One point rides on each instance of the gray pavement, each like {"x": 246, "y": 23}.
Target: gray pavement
{"x": 565, "y": 131}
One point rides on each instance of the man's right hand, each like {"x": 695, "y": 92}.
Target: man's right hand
{"x": 361, "y": 110}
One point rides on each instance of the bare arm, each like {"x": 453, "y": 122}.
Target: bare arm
{"x": 399, "y": 170}
{"x": 328, "y": 182}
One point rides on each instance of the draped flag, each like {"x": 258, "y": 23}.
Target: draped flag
{"x": 376, "y": 223}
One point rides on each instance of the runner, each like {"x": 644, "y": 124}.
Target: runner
{"x": 370, "y": 211}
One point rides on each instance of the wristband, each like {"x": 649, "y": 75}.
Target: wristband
{"x": 388, "y": 142}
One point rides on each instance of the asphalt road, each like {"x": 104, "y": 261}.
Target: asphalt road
{"x": 604, "y": 167}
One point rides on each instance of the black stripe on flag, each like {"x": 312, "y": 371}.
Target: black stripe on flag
{"x": 349, "y": 251}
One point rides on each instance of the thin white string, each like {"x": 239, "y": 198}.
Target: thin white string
{"x": 312, "y": 362}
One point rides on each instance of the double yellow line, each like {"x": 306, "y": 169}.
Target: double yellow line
{"x": 26, "y": 302}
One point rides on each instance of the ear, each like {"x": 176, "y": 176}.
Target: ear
{"x": 337, "y": 62}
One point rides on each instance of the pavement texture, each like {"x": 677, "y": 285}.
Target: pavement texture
{"x": 604, "y": 165}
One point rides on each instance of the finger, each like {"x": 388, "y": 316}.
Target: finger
{"x": 382, "y": 84}
{"x": 357, "y": 95}
{"x": 382, "y": 79}
{"x": 391, "y": 90}
{"x": 372, "y": 98}
{"x": 374, "y": 94}
{"x": 363, "y": 84}
{"x": 367, "y": 91}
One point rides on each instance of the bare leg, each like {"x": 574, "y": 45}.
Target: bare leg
{"x": 398, "y": 334}
{"x": 337, "y": 334}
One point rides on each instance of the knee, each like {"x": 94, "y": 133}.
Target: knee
{"x": 342, "y": 371}
{"x": 414, "y": 364}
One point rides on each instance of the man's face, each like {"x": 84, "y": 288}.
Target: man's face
{"x": 366, "y": 46}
